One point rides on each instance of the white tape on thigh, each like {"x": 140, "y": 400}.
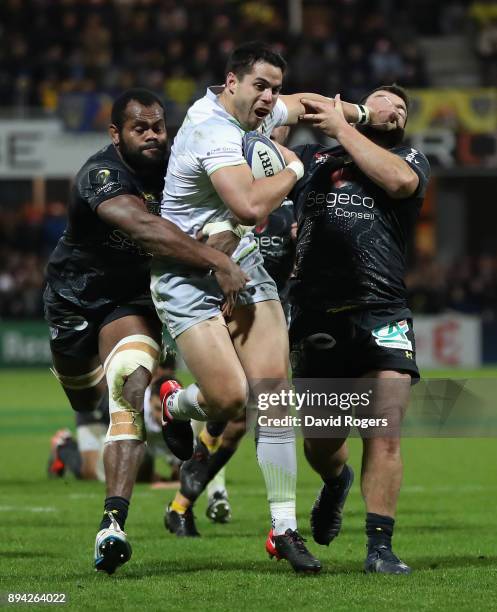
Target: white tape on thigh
{"x": 126, "y": 357}
{"x": 83, "y": 381}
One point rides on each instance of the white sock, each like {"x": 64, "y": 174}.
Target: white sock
{"x": 278, "y": 463}
{"x": 283, "y": 516}
{"x": 217, "y": 484}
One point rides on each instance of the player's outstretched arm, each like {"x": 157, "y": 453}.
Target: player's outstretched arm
{"x": 252, "y": 200}
{"x": 161, "y": 238}
{"x": 296, "y": 109}
{"x": 386, "y": 169}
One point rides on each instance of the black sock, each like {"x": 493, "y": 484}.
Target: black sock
{"x": 340, "y": 481}
{"x": 379, "y": 530}
{"x": 219, "y": 459}
{"x": 70, "y": 456}
{"x": 118, "y": 506}
{"x": 215, "y": 428}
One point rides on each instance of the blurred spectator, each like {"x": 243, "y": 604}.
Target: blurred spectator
{"x": 386, "y": 62}
{"x": 68, "y": 54}
{"x": 468, "y": 286}
{"x": 29, "y": 233}
{"x": 414, "y": 67}
{"x": 486, "y": 48}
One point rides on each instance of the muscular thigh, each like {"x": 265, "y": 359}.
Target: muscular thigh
{"x": 210, "y": 356}
{"x": 260, "y": 338}
{"x": 390, "y": 398}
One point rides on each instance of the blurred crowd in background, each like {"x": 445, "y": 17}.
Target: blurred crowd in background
{"x": 27, "y": 237}
{"x": 71, "y": 57}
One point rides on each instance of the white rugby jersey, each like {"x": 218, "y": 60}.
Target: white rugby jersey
{"x": 210, "y": 138}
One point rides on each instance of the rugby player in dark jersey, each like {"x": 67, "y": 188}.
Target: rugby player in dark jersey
{"x": 355, "y": 207}
{"x": 103, "y": 326}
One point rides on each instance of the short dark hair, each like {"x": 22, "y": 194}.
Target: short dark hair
{"x": 393, "y": 88}
{"x": 137, "y": 94}
{"x": 243, "y": 58}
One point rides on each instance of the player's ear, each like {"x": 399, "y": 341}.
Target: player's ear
{"x": 114, "y": 134}
{"x": 231, "y": 82}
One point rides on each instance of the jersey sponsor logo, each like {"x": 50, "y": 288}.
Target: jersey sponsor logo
{"x": 270, "y": 241}
{"x": 331, "y": 199}
{"x": 393, "y": 335}
{"x": 354, "y": 199}
{"x": 223, "y": 150}
{"x": 120, "y": 240}
{"x": 352, "y": 214}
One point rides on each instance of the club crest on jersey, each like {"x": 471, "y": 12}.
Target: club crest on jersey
{"x": 393, "y": 335}
{"x": 320, "y": 158}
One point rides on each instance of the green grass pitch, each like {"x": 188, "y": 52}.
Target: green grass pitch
{"x": 446, "y": 529}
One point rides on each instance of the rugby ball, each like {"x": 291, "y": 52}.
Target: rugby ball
{"x": 262, "y": 155}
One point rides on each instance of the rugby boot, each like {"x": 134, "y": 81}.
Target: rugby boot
{"x": 290, "y": 546}
{"x": 181, "y": 524}
{"x": 194, "y": 473}
{"x": 178, "y": 435}
{"x": 219, "y": 508}
{"x": 381, "y": 560}
{"x": 56, "y": 466}
{"x": 112, "y": 548}
{"x": 326, "y": 513}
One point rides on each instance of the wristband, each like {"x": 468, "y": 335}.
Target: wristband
{"x": 241, "y": 230}
{"x": 363, "y": 114}
{"x": 297, "y": 167}
{"x": 216, "y": 227}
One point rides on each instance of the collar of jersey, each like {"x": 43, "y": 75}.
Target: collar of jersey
{"x": 212, "y": 94}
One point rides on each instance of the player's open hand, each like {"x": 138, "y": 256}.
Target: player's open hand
{"x": 226, "y": 242}
{"x": 231, "y": 279}
{"x": 326, "y": 116}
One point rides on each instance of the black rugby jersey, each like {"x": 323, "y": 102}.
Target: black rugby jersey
{"x": 276, "y": 244}
{"x": 93, "y": 263}
{"x": 351, "y": 239}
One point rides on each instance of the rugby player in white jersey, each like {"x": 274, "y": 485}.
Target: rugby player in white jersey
{"x": 208, "y": 180}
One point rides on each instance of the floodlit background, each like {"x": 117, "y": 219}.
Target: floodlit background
{"x": 61, "y": 64}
